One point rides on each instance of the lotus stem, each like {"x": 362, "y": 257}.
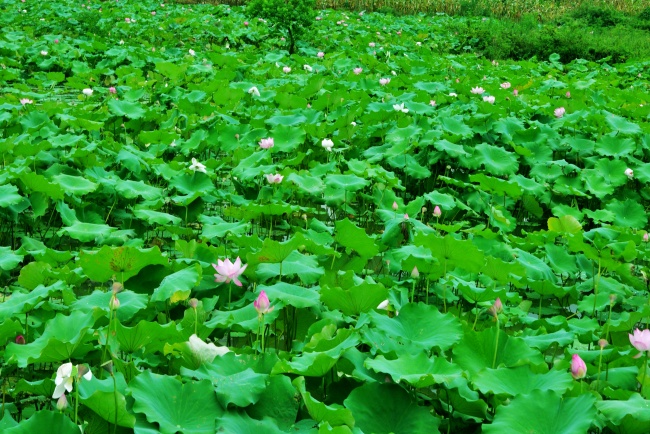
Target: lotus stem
{"x": 496, "y": 345}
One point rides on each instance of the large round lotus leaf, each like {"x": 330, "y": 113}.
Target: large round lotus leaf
{"x": 190, "y": 408}
{"x": 131, "y": 110}
{"x": 45, "y": 421}
{"x": 9, "y": 196}
{"x": 100, "y": 396}
{"x": 521, "y": 380}
{"x": 333, "y": 414}
{"x": 420, "y": 327}
{"x": 387, "y": 408}
{"x": 419, "y": 370}
{"x": 476, "y": 351}
{"x": 277, "y": 401}
{"x": 631, "y": 416}
{"x": 233, "y": 422}
{"x": 8, "y": 259}
{"x": 629, "y": 213}
{"x": 544, "y": 412}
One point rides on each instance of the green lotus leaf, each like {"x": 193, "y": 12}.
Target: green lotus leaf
{"x": 630, "y": 416}
{"x": 620, "y": 124}
{"x": 456, "y": 126}
{"x": 335, "y": 414}
{"x": 417, "y": 370}
{"x": 156, "y": 217}
{"x": 476, "y": 351}
{"x": 20, "y": 303}
{"x": 192, "y": 184}
{"x": 544, "y": 412}
{"x": 9, "y": 196}
{"x": 495, "y": 159}
{"x": 130, "y": 303}
{"x": 564, "y": 225}
{"x": 177, "y": 286}
{"x": 233, "y": 422}
{"x": 359, "y": 298}
{"x": 86, "y": 232}
{"x": 132, "y": 189}
{"x": 286, "y": 120}
{"x": 147, "y": 336}
{"x": 277, "y": 401}
{"x": 451, "y": 252}
{"x": 453, "y": 149}
{"x": 387, "y": 408}
{"x": 9, "y": 329}
{"x": 521, "y": 381}
{"x": 346, "y": 182}
{"x": 75, "y": 185}
{"x": 352, "y": 237}
{"x": 39, "y": 183}
{"x": 628, "y": 213}
{"x": 419, "y": 327}
{"x": 101, "y": 397}
{"x": 291, "y": 295}
{"x": 64, "y": 338}
{"x": 188, "y": 408}
{"x": 305, "y": 267}
{"x": 131, "y": 110}
{"x": 45, "y": 421}
{"x": 244, "y": 319}
{"x": 8, "y": 259}
{"x": 121, "y": 262}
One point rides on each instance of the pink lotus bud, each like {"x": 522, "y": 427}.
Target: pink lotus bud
{"x": 497, "y": 307}
{"x": 320, "y": 55}
{"x": 395, "y": 206}
{"x": 62, "y": 403}
{"x": 602, "y": 343}
{"x": 406, "y": 216}
{"x": 246, "y": 23}
{"x": 112, "y": 90}
{"x": 515, "y": 92}
{"x": 193, "y": 303}
{"x": 578, "y": 367}
{"x": 262, "y": 304}
{"x": 20, "y": 340}
{"x": 117, "y": 287}
{"x": 415, "y": 273}
{"x": 436, "y": 211}
{"x": 56, "y": 41}
{"x": 115, "y": 303}
{"x": 568, "y": 94}
{"x": 646, "y": 237}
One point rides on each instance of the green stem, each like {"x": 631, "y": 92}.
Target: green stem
{"x": 413, "y": 292}
{"x": 196, "y": 322}
{"x": 496, "y": 346}
{"x": 596, "y": 281}
{"x": 76, "y": 401}
{"x": 645, "y": 368}
{"x": 115, "y": 400}
{"x": 428, "y": 280}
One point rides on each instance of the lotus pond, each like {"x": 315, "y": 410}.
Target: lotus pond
{"x": 201, "y": 233}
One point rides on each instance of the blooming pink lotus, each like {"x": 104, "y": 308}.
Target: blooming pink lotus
{"x": 274, "y": 179}
{"x": 432, "y": 103}
{"x": 505, "y": 85}
{"x": 559, "y": 112}
{"x": 578, "y": 367}
{"x": 262, "y": 304}
{"x": 320, "y": 55}
{"x": 515, "y": 92}
{"x": 227, "y": 271}
{"x": 641, "y": 340}
{"x": 25, "y": 101}
{"x": 384, "y": 81}
{"x": 267, "y": 143}
{"x": 286, "y": 70}
{"x": 112, "y": 90}
{"x": 357, "y": 71}
{"x": 489, "y": 99}
{"x": 477, "y": 90}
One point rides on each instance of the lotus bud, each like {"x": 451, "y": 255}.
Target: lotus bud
{"x": 383, "y": 305}
{"x": 193, "y": 302}
{"x": 415, "y": 273}
{"x": 114, "y": 303}
{"x": 108, "y": 367}
{"x": 62, "y": 403}
{"x": 20, "y": 340}
{"x": 394, "y": 206}
{"x": 602, "y": 343}
{"x": 578, "y": 367}
{"x": 497, "y": 307}
{"x": 646, "y": 237}
{"x": 437, "y": 212}
{"x": 262, "y": 304}
{"x": 117, "y": 287}
{"x": 406, "y": 216}
{"x": 612, "y": 298}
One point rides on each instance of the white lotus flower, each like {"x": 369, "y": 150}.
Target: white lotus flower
{"x": 205, "y": 353}
{"x": 254, "y": 91}
{"x": 88, "y": 91}
{"x": 400, "y": 108}
{"x": 328, "y": 145}
{"x": 308, "y": 68}
{"x": 197, "y": 167}
{"x": 65, "y": 378}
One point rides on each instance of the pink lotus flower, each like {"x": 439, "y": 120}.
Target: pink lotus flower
{"x": 489, "y": 99}
{"x": 262, "y": 304}
{"x": 127, "y": 20}
{"x": 286, "y": 70}
{"x": 372, "y": 44}
{"x": 318, "y": 18}
{"x": 25, "y": 101}
{"x": 357, "y": 71}
{"x": 436, "y": 211}
{"x": 56, "y": 41}
{"x": 384, "y": 81}
{"x": 515, "y": 92}
{"x": 559, "y": 112}
{"x": 505, "y": 85}
{"x": 578, "y": 367}
{"x": 320, "y": 55}
{"x": 112, "y": 90}
{"x": 267, "y": 143}
{"x": 395, "y": 206}
{"x": 432, "y": 103}
{"x": 274, "y": 179}
{"x": 568, "y": 94}
{"x": 227, "y": 271}
{"x": 641, "y": 340}
{"x": 153, "y": 13}
{"x": 646, "y": 237}
{"x": 246, "y": 23}
{"x": 497, "y": 307}
{"x": 478, "y": 90}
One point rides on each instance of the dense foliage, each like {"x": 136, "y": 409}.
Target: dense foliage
{"x": 201, "y": 232}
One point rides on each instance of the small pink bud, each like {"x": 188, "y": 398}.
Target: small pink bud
{"x": 646, "y": 237}
{"x": 602, "y": 343}
{"x": 395, "y": 206}
{"x": 246, "y": 23}
{"x": 115, "y": 303}
{"x": 117, "y": 287}
{"x": 20, "y": 340}
{"x": 262, "y": 304}
{"x": 153, "y": 13}
{"x": 193, "y": 303}
{"x": 62, "y": 403}
{"x": 515, "y": 92}
{"x": 497, "y": 307}
{"x": 320, "y": 55}
{"x": 112, "y": 90}
{"x": 578, "y": 367}
{"x": 568, "y": 94}
{"x": 437, "y": 212}
{"x": 56, "y": 41}
{"x": 406, "y": 216}
{"x": 415, "y": 273}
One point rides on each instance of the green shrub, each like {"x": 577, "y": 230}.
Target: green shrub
{"x": 292, "y": 17}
